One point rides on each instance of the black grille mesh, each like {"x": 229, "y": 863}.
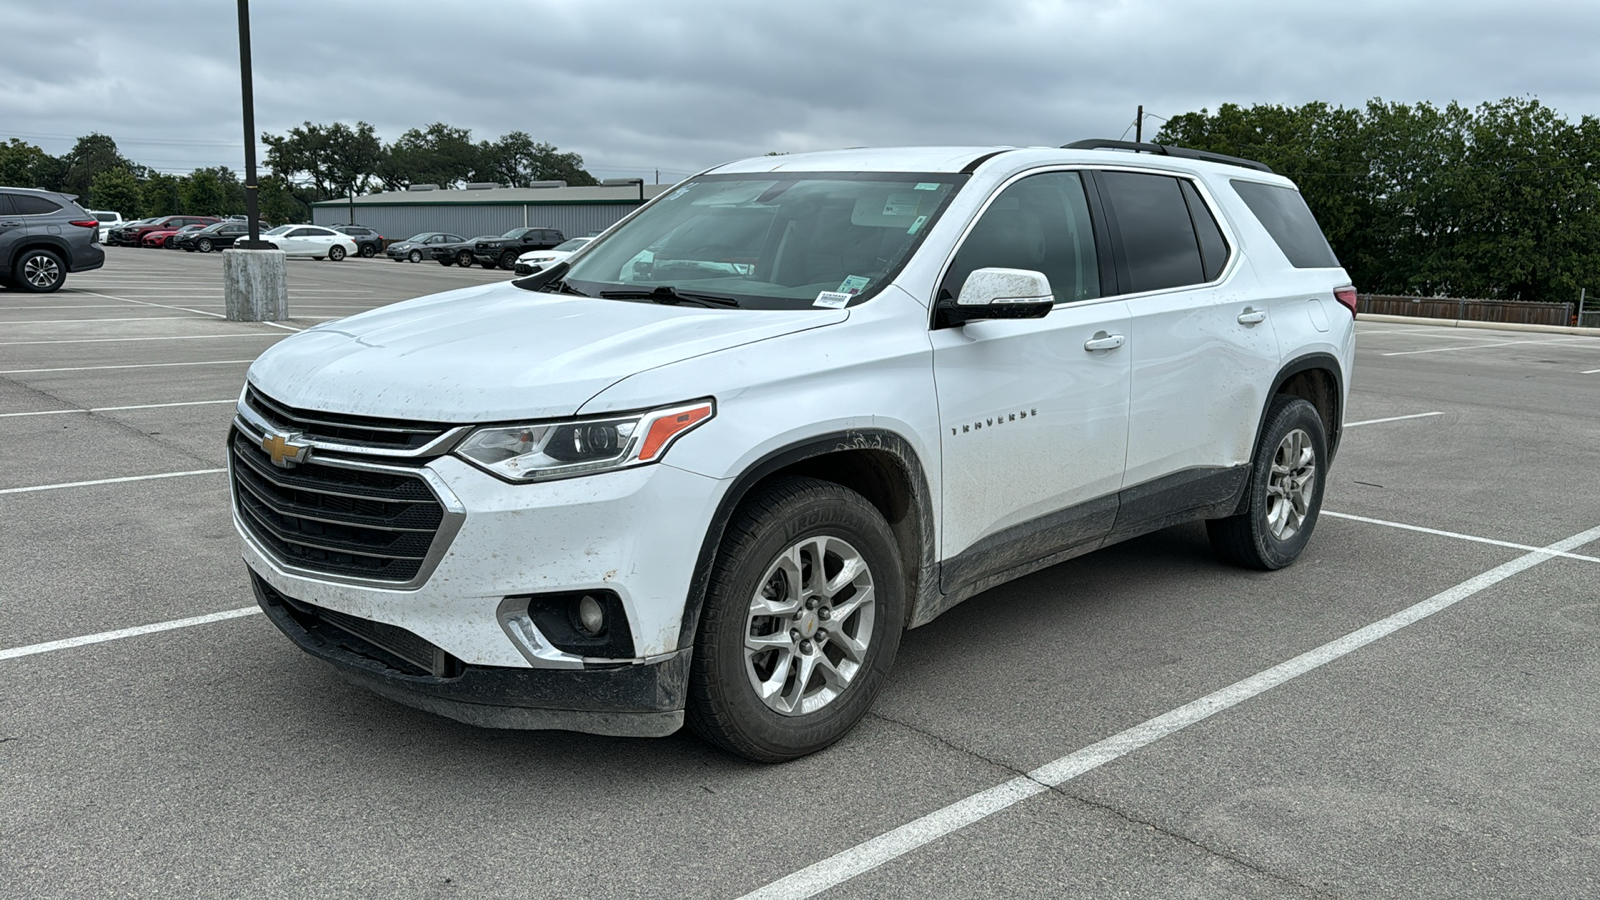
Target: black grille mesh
{"x": 339, "y": 521}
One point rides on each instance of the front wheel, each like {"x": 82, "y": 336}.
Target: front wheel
{"x": 336, "y": 253}
{"x": 415, "y": 256}
{"x": 464, "y": 259}
{"x": 801, "y": 622}
{"x": 1285, "y": 491}
{"x": 508, "y": 260}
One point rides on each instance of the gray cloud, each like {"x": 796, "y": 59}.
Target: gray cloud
{"x": 637, "y": 86}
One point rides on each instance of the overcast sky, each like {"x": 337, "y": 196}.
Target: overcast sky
{"x": 683, "y": 84}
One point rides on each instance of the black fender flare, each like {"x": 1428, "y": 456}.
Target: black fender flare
{"x": 1326, "y": 362}
{"x": 51, "y": 242}
{"x": 875, "y": 439}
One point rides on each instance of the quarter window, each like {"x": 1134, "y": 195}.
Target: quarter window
{"x": 1042, "y": 224}
{"x": 1213, "y": 246}
{"x": 1158, "y": 237}
{"x": 29, "y": 205}
{"x": 1283, "y": 212}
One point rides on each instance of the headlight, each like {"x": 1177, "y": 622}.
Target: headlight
{"x": 545, "y": 450}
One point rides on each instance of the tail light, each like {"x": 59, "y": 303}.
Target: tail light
{"x": 1346, "y": 297}
{"x": 86, "y": 223}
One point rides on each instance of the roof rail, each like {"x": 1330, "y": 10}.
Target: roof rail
{"x": 1166, "y": 150}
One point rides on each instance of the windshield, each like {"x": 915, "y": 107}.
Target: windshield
{"x": 514, "y": 233}
{"x": 279, "y": 230}
{"x": 771, "y": 241}
{"x": 421, "y": 238}
{"x": 571, "y": 245}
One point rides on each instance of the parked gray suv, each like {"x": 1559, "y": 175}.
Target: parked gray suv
{"x": 43, "y": 236}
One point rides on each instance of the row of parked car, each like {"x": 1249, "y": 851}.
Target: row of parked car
{"x": 517, "y": 249}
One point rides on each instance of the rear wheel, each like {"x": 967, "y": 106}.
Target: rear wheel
{"x": 802, "y": 619}
{"x": 336, "y": 253}
{"x": 40, "y": 271}
{"x": 1285, "y": 491}
{"x": 368, "y": 251}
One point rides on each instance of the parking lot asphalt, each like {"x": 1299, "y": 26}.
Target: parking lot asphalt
{"x": 151, "y": 747}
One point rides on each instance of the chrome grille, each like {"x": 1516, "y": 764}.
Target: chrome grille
{"x": 340, "y": 521}
{"x": 340, "y": 428}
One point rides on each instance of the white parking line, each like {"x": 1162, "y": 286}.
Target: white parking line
{"x": 870, "y": 854}
{"x": 1484, "y": 346}
{"x": 219, "y": 362}
{"x": 120, "y": 633}
{"x": 1589, "y": 372}
{"x": 90, "y": 321}
{"x": 1392, "y": 419}
{"x": 73, "y": 484}
{"x": 100, "y": 409}
{"x": 181, "y": 337}
{"x": 1452, "y": 534}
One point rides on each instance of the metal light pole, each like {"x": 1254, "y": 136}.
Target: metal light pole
{"x": 255, "y": 276}
{"x": 251, "y": 206}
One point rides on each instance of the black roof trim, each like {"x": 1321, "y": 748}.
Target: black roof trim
{"x": 971, "y": 167}
{"x": 1167, "y": 150}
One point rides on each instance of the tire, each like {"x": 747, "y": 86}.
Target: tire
{"x": 368, "y": 251}
{"x": 205, "y": 245}
{"x": 415, "y": 256}
{"x": 40, "y": 271}
{"x": 464, "y": 259}
{"x": 508, "y": 260}
{"x": 447, "y": 261}
{"x": 1284, "y": 496}
{"x": 336, "y": 253}
{"x": 775, "y": 533}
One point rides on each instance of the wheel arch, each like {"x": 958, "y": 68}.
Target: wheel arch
{"x": 1318, "y": 379}
{"x": 879, "y": 464}
{"x": 41, "y": 242}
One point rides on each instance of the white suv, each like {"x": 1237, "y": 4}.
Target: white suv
{"x": 709, "y": 467}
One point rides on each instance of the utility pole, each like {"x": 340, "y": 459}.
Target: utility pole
{"x": 251, "y": 205}
{"x": 1138, "y": 121}
{"x": 255, "y": 277}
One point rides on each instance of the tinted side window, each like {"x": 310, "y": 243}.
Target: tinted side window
{"x": 301, "y": 232}
{"x": 1158, "y": 238}
{"x": 29, "y": 205}
{"x": 5, "y": 205}
{"x": 1039, "y": 223}
{"x": 1283, "y": 212}
{"x": 1213, "y": 246}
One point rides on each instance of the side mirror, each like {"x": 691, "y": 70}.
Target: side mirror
{"x": 997, "y": 293}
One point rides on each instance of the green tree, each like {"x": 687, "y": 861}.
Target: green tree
{"x": 517, "y": 160}
{"x": 215, "y": 191}
{"x": 439, "y": 154}
{"x": 326, "y": 160}
{"x": 92, "y": 154}
{"x": 161, "y": 195}
{"x": 116, "y": 189}
{"x": 24, "y": 165}
{"x": 277, "y": 202}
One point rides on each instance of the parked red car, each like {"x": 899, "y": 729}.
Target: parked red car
{"x": 134, "y": 236}
{"x": 161, "y": 237}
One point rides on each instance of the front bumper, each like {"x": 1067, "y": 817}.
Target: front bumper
{"x": 397, "y": 253}
{"x": 632, "y": 701}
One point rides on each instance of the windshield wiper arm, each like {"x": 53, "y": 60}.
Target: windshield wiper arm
{"x": 670, "y": 295}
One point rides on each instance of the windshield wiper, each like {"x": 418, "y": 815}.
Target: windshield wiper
{"x": 671, "y": 296}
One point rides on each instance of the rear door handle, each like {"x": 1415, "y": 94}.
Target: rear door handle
{"x": 1103, "y": 341}
{"x": 1252, "y": 316}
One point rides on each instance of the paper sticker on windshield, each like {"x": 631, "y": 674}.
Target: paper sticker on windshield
{"x": 832, "y": 300}
{"x": 901, "y": 205}
{"x": 927, "y": 185}
{"x": 854, "y": 284}
{"x": 916, "y": 224}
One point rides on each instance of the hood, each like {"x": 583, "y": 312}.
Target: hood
{"x": 497, "y": 353}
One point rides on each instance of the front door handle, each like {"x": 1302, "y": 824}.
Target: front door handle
{"x": 1252, "y": 316}
{"x": 1103, "y": 341}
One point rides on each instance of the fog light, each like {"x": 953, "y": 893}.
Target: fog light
{"x": 591, "y": 615}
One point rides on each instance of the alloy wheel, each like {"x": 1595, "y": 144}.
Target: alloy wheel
{"x": 809, "y": 625}
{"x": 41, "y": 271}
{"x": 1291, "y": 485}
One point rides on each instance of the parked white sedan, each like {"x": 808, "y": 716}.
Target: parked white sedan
{"x": 534, "y": 260}
{"x": 310, "y": 240}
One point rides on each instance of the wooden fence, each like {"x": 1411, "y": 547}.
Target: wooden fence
{"x": 1469, "y": 310}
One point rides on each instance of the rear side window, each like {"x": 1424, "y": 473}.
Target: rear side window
{"x": 1213, "y": 246}
{"x": 1040, "y": 223}
{"x": 1283, "y": 212}
{"x": 29, "y": 205}
{"x": 1158, "y": 239}
{"x": 5, "y": 205}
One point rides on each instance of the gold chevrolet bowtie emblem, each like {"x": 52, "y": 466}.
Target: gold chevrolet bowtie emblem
{"x": 284, "y": 452}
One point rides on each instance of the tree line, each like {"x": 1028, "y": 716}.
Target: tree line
{"x": 306, "y": 164}
{"x": 1500, "y": 201}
